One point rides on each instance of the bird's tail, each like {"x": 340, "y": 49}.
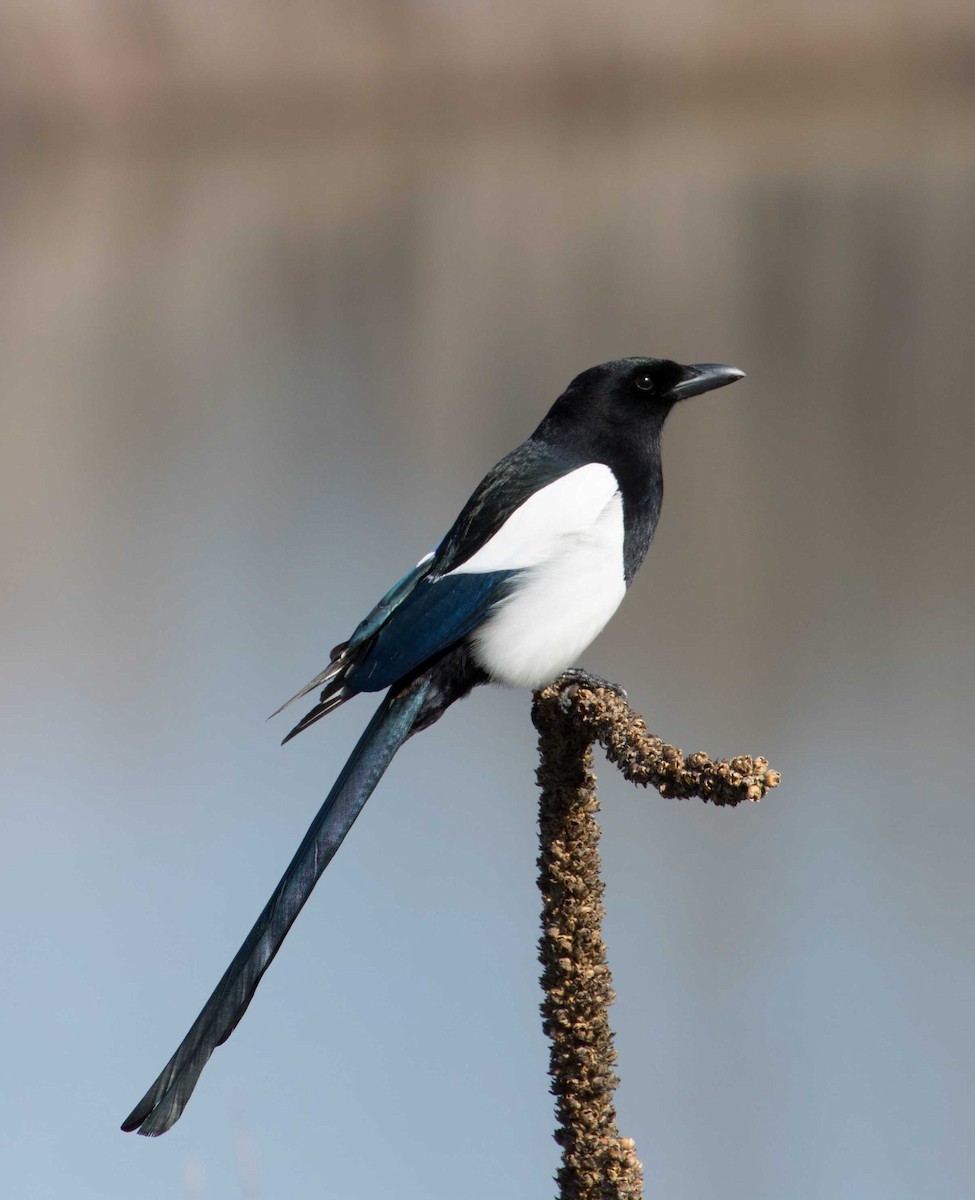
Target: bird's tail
{"x": 160, "y": 1108}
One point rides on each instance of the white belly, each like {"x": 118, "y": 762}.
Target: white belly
{"x": 558, "y": 606}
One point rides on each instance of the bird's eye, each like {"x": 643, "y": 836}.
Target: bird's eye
{"x": 645, "y": 383}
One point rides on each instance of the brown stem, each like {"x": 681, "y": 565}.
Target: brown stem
{"x": 571, "y": 714}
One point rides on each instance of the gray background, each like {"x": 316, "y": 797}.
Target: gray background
{"x": 253, "y": 364}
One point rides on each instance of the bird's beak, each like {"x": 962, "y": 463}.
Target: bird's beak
{"x": 705, "y": 377}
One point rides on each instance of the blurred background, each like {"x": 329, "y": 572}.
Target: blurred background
{"x": 278, "y": 283}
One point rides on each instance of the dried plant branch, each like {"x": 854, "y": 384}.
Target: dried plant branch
{"x": 570, "y": 715}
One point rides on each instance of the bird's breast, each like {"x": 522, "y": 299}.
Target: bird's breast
{"x": 556, "y": 607}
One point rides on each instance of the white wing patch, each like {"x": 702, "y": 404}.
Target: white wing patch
{"x": 534, "y": 533}
{"x": 568, "y": 542}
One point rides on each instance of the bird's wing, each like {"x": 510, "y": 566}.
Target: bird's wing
{"x": 418, "y": 618}
{"x": 519, "y": 513}
{"x": 438, "y": 613}
{"x": 367, "y": 628}
{"x": 522, "y": 516}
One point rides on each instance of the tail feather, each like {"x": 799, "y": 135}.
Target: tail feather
{"x": 164, "y": 1102}
{"x": 329, "y": 704}
{"x": 336, "y": 666}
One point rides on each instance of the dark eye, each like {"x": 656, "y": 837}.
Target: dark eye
{"x": 644, "y": 383}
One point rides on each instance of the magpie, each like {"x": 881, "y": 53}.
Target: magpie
{"x": 526, "y": 577}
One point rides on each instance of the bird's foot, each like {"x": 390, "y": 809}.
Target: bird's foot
{"x": 570, "y": 681}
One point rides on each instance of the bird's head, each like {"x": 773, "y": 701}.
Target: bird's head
{"x": 618, "y": 407}
{"x": 641, "y": 390}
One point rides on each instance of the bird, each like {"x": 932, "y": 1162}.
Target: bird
{"x": 527, "y": 576}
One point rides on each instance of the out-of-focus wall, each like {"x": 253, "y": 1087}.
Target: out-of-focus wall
{"x": 113, "y": 65}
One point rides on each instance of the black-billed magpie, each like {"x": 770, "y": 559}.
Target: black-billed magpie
{"x": 527, "y": 576}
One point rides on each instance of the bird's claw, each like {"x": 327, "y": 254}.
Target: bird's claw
{"x": 570, "y": 681}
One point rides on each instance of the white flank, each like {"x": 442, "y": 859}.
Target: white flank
{"x": 568, "y": 540}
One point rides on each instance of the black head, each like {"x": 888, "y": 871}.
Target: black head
{"x": 619, "y": 407}
{"x": 641, "y": 390}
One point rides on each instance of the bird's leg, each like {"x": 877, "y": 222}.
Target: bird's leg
{"x": 570, "y": 681}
